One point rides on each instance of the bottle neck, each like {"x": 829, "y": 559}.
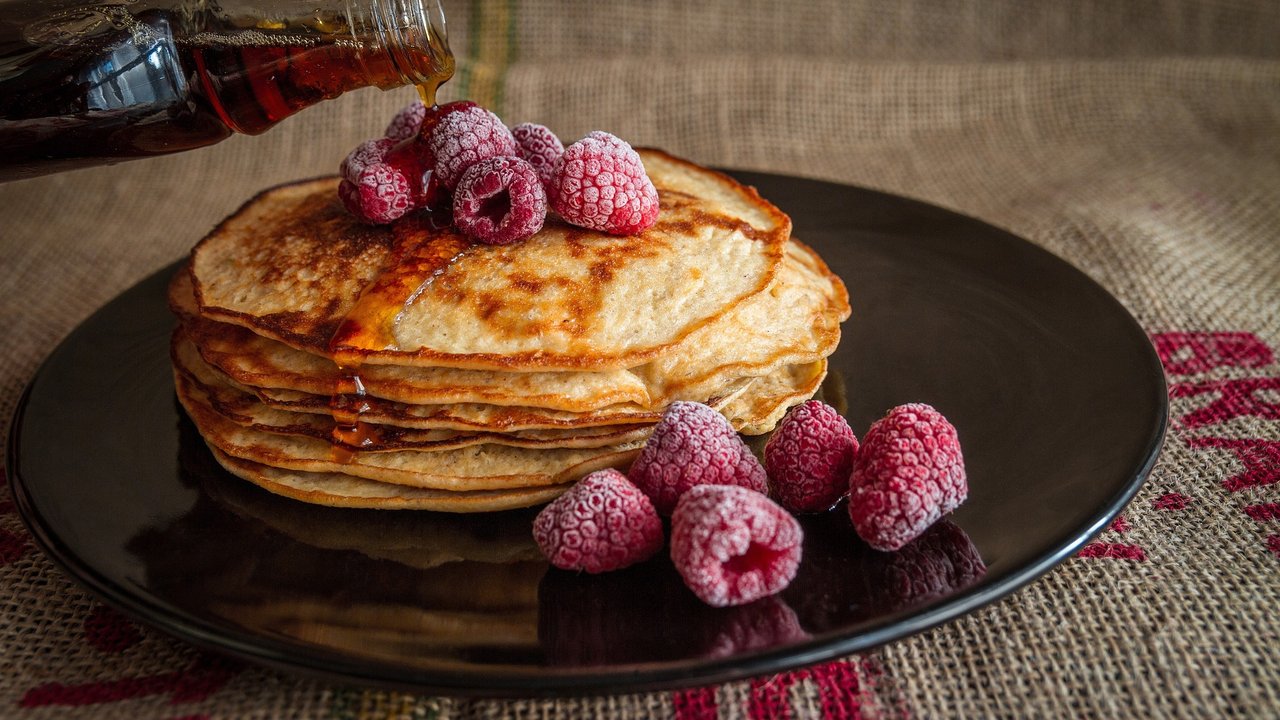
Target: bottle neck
{"x": 401, "y": 42}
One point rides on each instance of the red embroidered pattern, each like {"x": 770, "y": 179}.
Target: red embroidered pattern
{"x": 12, "y": 547}
{"x": 837, "y": 685}
{"x": 207, "y": 675}
{"x": 1119, "y": 551}
{"x": 1171, "y": 501}
{"x": 1263, "y": 512}
{"x": 110, "y": 632}
{"x": 840, "y": 693}
{"x": 1188, "y": 353}
{"x": 1261, "y": 460}
{"x": 1236, "y": 398}
{"x": 695, "y": 704}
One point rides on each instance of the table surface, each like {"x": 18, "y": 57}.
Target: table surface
{"x": 1150, "y": 160}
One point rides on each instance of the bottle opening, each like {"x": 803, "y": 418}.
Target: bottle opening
{"x": 411, "y": 35}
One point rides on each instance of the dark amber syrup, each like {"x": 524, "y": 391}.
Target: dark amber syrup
{"x": 424, "y": 247}
{"x": 104, "y": 84}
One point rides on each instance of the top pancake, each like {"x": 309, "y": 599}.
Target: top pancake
{"x": 293, "y": 265}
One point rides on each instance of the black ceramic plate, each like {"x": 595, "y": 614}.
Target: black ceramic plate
{"x": 1057, "y": 394}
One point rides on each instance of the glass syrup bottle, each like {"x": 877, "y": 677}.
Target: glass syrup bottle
{"x": 89, "y": 83}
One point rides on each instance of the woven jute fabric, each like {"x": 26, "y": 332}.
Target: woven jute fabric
{"x": 1140, "y": 141}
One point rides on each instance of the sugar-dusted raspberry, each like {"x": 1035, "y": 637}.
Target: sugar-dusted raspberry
{"x": 602, "y": 523}
{"x": 600, "y": 183}
{"x": 908, "y": 473}
{"x": 499, "y": 201}
{"x": 465, "y": 137}
{"x": 437, "y": 113}
{"x": 693, "y": 445}
{"x": 809, "y": 458}
{"x": 378, "y": 195}
{"x": 369, "y": 152}
{"x": 412, "y": 158}
{"x": 732, "y": 545}
{"x": 538, "y": 145}
{"x": 406, "y": 123}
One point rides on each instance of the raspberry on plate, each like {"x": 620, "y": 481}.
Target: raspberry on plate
{"x": 463, "y": 138}
{"x": 809, "y": 457}
{"x": 499, "y": 201}
{"x": 908, "y": 473}
{"x": 693, "y": 445}
{"x": 600, "y": 183}
{"x": 540, "y": 147}
{"x": 363, "y": 155}
{"x": 602, "y": 523}
{"x": 732, "y": 545}
{"x": 412, "y": 158}
{"x": 407, "y": 122}
{"x": 437, "y": 113}
{"x": 379, "y": 194}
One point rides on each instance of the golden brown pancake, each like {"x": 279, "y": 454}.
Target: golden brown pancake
{"x": 795, "y": 321}
{"x": 340, "y": 490}
{"x": 293, "y": 265}
{"x": 405, "y": 367}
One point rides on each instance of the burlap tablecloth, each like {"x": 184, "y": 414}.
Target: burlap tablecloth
{"x": 1138, "y": 140}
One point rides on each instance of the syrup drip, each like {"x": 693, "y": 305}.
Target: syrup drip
{"x": 422, "y": 250}
{"x": 428, "y": 94}
{"x": 348, "y": 403}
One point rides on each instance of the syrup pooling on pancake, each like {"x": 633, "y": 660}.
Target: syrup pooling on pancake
{"x": 244, "y": 408}
{"x": 403, "y": 366}
{"x": 566, "y": 299}
{"x": 253, "y": 360}
{"x": 795, "y": 321}
{"x": 421, "y": 251}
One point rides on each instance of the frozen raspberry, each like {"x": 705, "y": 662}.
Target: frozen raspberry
{"x": 465, "y": 137}
{"x": 600, "y": 183}
{"x": 369, "y": 152}
{"x": 412, "y": 159}
{"x": 406, "y": 122}
{"x": 499, "y": 201}
{"x": 908, "y": 473}
{"x": 540, "y": 147}
{"x": 693, "y": 445}
{"x": 378, "y": 195}
{"x": 602, "y": 523}
{"x": 437, "y": 113}
{"x": 809, "y": 457}
{"x": 732, "y": 545}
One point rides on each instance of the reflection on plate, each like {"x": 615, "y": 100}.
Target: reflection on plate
{"x": 1057, "y": 395}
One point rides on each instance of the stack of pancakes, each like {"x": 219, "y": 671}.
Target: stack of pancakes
{"x": 405, "y": 367}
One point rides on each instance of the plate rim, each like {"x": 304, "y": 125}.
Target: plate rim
{"x": 577, "y": 681}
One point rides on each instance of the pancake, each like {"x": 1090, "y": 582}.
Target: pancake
{"x": 339, "y": 490}
{"x": 246, "y": 410}
{"x": 254, "y": 360}
{"x": 796, "y": 321}
{"x": 478, "y": 467}
{"x": 478, "y": 416}
{"x": 293, "y": 265}
{"x": 758, "y": 411}
{"x": 471, "y": 378}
